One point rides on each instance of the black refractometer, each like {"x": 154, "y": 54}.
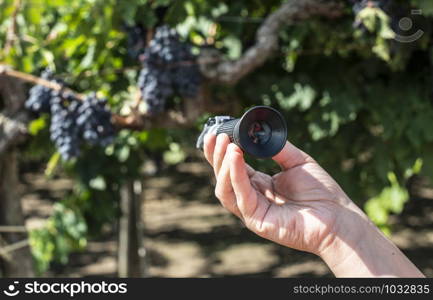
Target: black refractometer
{"x": 260, "y": 132}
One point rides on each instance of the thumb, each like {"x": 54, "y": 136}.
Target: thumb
{"x": 291, "y": 157}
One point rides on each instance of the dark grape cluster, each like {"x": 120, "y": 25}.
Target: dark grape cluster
{"x": 169, "y": 67}
{"x": 72, "y": 121}
{"x": 40, "y": 96}
{"x": 94, "y": 121}
{"x": 64, "y": 131}
{"x": 156, "y": 87}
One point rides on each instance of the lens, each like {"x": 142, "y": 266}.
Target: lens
{"x": 260, "y": 132}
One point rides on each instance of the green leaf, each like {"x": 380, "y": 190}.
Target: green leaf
{"x": 302, "y": 97}
{"x": 368, "y": 17}
{"x": 90, "y": 55}
{"x": 376, "y": 212}
{"x": 123, "y": 153}
{"x": 234, "y": 46}
{"x": 98, "y": 183}
{"x": 175, "y": 155}
{"x": 390, "y": 200}
{"x": 37, "y": 125}
{"x": 49, "y": 58}
{"x": 52, "y": 164}
{"x": 70, "y": 46}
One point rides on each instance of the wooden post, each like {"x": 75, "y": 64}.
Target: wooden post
{"x": 142, "y": 253}
{"x": 130, "y": 262}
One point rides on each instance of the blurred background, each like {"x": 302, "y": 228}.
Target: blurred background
{"x": 101, "y": 103}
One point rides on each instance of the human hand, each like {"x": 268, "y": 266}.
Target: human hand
{"x": 298, "y": 207}
{"x": 303, "y": 208}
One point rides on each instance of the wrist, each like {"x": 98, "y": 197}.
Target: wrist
{"x": 343, "y": 252}
{"x": 351, "y": 230}
{"x": 359, "y": 249}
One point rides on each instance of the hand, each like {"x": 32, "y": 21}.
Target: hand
{"x": 297, "y": 207}
{"x": 303, "y": 208}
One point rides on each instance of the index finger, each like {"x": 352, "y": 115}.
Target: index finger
{"x": 209, "y": 147}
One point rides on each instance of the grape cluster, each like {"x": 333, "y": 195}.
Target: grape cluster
{"x": 72, "y": 121}
{"x": 40, "y": 96}
{"x": 169, "y": 67}
{"x": 64, "y": 131}
{"x": 155, "y": 86}
{"x": 94, "y": 121}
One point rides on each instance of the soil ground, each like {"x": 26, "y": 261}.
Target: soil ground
{"x": 188, "y": 234}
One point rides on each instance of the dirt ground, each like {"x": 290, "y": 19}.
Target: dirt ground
{"x": 188, "y": 234}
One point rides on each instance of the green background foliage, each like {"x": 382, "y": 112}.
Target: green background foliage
{"x": 355, "y": 99}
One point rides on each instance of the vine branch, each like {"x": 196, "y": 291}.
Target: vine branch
{"x": 230, "y": 72}
{"x": 169, "y": 119}
{"x": 5, "y": 70}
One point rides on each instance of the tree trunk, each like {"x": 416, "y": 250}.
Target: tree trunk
{"x": 18, "y": 262}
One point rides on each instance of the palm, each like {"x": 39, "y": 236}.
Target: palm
{"x": 295, "y": 207}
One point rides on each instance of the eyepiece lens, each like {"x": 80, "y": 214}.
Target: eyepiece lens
{"x": 260, "y": 132}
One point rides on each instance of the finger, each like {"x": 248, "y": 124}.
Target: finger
{"x": 263, "y": 183}
{"x": 246, "y": 197}
{"x": 209, "y": 146}
{"x": 291, "y": 157}
{"x": 222, "y": 141}
{"x": 250, "y": 171}
{"x": 224, "y": 190}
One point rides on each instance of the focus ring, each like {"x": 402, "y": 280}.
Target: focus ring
{"x": 228, "y": 128}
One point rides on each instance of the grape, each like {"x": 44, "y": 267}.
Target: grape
{"x": 169, "y": 67}
{"x": 40, "y": 96}
{"x": 94, "y": 121}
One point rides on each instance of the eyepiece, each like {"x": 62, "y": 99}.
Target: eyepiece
{"x": 260, "y": 132}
